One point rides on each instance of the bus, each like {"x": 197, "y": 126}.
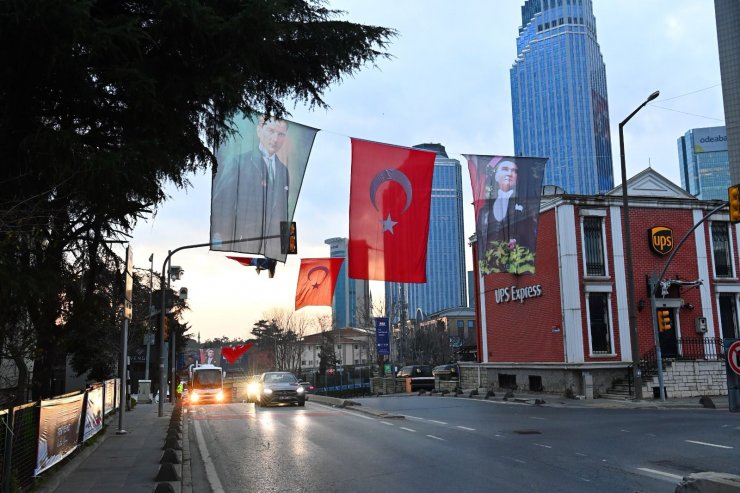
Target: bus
{"x": 206, "y": 384}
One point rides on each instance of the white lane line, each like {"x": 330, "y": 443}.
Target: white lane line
{"x": 465, "y": 428}
{"x": 580, "y": 454}
{"x": 519, "y": 461}
{"x": 673, "y": 477}
{"x": 651, "y": 435}
{"x": 586, "y": 480}
{"x": 436, "y": 438}
{"x": 211, "y": 473}
{"x": 536, "y": 417}
{"x": 708, "y": 444}
{"x": 438, "y": 422}
{"x": 414, "y": 417}
{"x": 543, "y": 445}
{"x": 407, "y": 429}
{"x": 497, "y": 435}
{"x": 624, "y": 431}
{"x": 387, "y": 423}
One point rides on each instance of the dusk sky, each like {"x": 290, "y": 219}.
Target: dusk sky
{"x": 448, "y": 83}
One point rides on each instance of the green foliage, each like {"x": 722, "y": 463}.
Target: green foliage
{"x": 502, "y": 256}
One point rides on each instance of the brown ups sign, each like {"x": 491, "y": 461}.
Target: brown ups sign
{"x": 661, "y": 239}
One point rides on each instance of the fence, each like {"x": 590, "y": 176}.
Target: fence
{"x": 687, "y": 349}
{"x": 38, "y": 435}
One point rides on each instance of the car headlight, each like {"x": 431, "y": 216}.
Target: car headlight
{"x": 300, "y": 389}
{"x": 252, "y": 388}
{"x": 267, "y": 391}
{"x": 194, "y": 397}
{"x": 220, "y": 396}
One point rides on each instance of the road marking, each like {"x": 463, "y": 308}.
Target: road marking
{"x": 543, "y": 446}
{"x": 708, "y": 444}
{"x": 586, "y": 480}
{"x": 466, "y": 428}
{"x": 582, "y": 455}
{"x": 438, "y": 422}
{"x": 414, "y": 417}
{"x": 387, "y": 423}
{"x": 536, "y": 417}
{"x": 211, "y": 473}
{"x": 436, "y": 438}
{"x": 674, "y": 477}
{"x": 408, "y": 429}
{"x": 497, "y": 435}
{"x": 624, "y": 431}
{"x": 651, "y": 435}
{"x": 519, "y": 461}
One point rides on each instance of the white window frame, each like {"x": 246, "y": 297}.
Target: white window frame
{"x": 733, "y": 274}
{"x": 600, "y": 288}
{"x": 594, "y": 213}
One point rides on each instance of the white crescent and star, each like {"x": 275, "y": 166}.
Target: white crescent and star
{"x": 390, "y": 175}
{"x": 314, "y": 269}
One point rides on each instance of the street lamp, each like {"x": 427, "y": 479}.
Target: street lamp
{"x": 636, "y": 376}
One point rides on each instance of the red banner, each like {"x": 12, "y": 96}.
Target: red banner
{"x": 390, "y": 193}
{"x": 316, "y": 281}
{"x": 232, "y": 353}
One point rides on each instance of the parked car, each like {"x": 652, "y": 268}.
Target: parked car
{"x": 421, "y": 376}
{"x": 447, "y": 372}
{"x": 278, "y": 387}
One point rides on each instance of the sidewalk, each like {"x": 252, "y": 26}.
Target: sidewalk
{"x": 117, "y": 463}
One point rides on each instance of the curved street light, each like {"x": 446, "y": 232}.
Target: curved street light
{"x": 632, "y": 310}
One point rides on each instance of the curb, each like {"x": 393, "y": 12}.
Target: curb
{"x": 352, "y": 406}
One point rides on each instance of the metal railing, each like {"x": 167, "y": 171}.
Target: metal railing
{"x": 687, "y": 349}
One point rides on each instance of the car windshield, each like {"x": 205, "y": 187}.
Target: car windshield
{"x": 279, "y": 378}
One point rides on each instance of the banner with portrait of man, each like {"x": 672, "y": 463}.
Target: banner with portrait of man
{"x": 506, "y": 199}
{"x": 256, "y": 184}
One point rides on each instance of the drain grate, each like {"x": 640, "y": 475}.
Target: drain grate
{"x": 528, "y": 432}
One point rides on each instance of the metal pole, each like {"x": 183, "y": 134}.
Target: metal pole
{"x": 656, "y": 338}
{"x": 631, "y": 308}
{"x": 122, "y": 376}
{"x": 149, "y": 318}
{"x": 173, "y": 366}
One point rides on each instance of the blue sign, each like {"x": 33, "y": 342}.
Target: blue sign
{"x": 382, "y": 336}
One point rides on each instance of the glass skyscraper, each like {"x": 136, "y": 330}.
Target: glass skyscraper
{"x": 558, "y": 96}
{"x": 445, "y": 266}
{"x": 704, "y": 161}
{"x": 351, "y": 303}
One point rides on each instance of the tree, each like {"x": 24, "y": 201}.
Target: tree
{"x": 327, "y": 353}
{"x": 105, "y": 102}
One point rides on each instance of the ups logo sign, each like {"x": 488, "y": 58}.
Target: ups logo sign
{"x": 661, "y": 239}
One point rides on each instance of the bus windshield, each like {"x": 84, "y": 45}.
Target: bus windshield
{"x": 207, "y": 379}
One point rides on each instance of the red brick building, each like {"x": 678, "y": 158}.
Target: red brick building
{"x": 567, "y": 326}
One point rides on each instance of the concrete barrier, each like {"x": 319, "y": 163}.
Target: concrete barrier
{"x": 709, "y": 482}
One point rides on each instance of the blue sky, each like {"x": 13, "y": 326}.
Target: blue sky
{"x": 448, "y": 83}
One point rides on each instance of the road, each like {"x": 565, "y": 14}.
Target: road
{"x": 448, "y": 444}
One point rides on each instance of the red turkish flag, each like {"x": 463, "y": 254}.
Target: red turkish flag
{"x": 390, "y": 192}
{"x": 316, "y": 281}
{"x": 232, "y": 353}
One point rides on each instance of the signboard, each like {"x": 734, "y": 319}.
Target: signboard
{"x": 660, "y": 239}
{"x": 733, "y": 357}
{"x": 732, "y": 350}
{"x": 59, "y": 430}
{"x": 711, "y": 139}
{"x": 127, "y": 306}
{"x": 382, "y": 336}
{"x": 93, "y": 412}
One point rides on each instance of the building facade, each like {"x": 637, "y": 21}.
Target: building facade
{"x": 442, "y": 337}
{"x": 559, "y": 100}
{"x": 704, "y": 162}
{"x": 727, "y": 13}
{"x": 351, "y": 304}
{"x": 566, "y": 327}
{"x": 445, "y": 263}
{"x": 352, "y": 347}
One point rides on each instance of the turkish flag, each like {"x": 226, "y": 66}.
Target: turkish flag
{"x": 261, "y": 264}
{"x": 232, "y": 353}
{"x": 390, "y": 192}
{"x": 316, "y": 281}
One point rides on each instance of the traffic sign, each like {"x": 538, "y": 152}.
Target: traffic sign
{"x": 733, "y": 357}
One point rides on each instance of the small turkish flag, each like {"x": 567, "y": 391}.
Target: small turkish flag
{"x": 232, "y": 353}
{"x": 316, "y": 281}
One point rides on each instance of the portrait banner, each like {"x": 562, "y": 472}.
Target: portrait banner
{"x": 93, "y": 412}
{"x": 210, "y": 356}
{"x": 506, "y": 200}
{"x": 390, "y": 195}
{"x": 59, "y": 430}
{"x": 317, "y": 279}
{"x": 256, "y": 184}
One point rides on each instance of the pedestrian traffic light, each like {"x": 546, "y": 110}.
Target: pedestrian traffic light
{"x": 733, "y": 196}
{"x": 664, "y": 320}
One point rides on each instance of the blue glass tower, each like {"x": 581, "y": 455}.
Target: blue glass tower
{"x": 351, "y": 303}
{"x": 445, "y": 267}
{"x": 705, "y": 163}
{"x": 558, "y": 96}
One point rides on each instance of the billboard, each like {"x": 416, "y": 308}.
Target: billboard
{"x": 711, "y": 139}
{"x": 382, "y": 336}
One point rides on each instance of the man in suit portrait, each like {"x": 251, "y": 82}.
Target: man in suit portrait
{"x": 251, "y": 190}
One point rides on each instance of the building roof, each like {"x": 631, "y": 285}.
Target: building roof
{"x": 347, "y": 333}
{"x": 650, "y": 183}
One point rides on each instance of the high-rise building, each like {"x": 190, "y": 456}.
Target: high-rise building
{"x": 559, "y": 101}
{"x": 705, "y": 169}
{"x": 445, "y": 265}
{"x": 351, "y": 303}
{"x": 727, "y": 13}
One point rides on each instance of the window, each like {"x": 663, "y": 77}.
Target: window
{"x": 728, "y": 315}
{"x": 593, "y": 246}
{"x": 721, "y": 248}
{"x": 357, "y": 346}
{"x": 598, "y": 321}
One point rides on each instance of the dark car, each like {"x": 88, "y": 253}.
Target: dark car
{"x": 279, "y": 387}
{"x": 421, "y": 376}
{"x": 446, "y": 372}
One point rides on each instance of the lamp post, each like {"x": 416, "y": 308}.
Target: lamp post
{"x": 634, "y": 338}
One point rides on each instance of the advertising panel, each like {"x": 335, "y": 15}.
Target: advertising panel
{"x": 712, "y": 139}
{"x": 382, "y": 336}
{"x": 110, "y": 396}
{"x": 93, "y": 412}
{"x": 59, "y": 429}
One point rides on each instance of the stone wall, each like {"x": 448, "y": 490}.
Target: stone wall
{"x": 690, "y": 379}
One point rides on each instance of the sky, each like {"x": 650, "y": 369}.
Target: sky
{"x": 447, "y": 82}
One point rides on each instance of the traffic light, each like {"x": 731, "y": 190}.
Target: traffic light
{"x": 664, "y": 320}
{"x": 733, "y": 196}
{"x": 288, "y": 238}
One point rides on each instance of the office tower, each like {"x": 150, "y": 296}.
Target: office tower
{"x": 705, "y": 170}
{"x": 559, "y": 102}
{"x": 727, "y": 13}
{"x": 445, "y": 266}
{"x": 351, "y": 303}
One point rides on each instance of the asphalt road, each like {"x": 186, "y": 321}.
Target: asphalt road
{"x": 448, "y": 444}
